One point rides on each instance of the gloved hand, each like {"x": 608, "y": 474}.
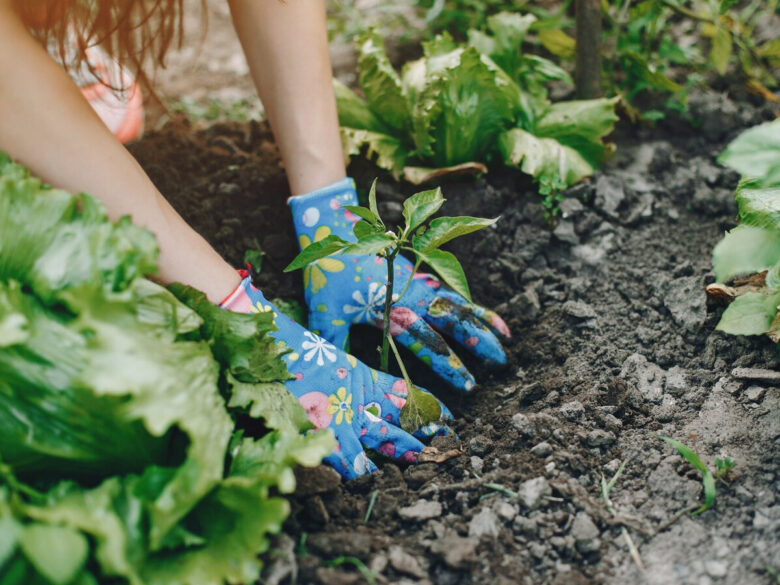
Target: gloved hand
{"x": 349, "y": 289}
{"x": 361, "y": 405}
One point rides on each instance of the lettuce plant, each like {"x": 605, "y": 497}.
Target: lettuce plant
{"x": 120, "y": 455}
{"x": 459, "y": 108}
{"x": 754, "y": 245}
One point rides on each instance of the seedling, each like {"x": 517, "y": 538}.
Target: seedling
{"x": 367, "y": 573}
{"x": 419, "y": 236}
{"x": 707, "y": 477}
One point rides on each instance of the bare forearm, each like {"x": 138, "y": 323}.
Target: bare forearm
{"x": 48, "y": 126}
{"x": 286, "y": 46}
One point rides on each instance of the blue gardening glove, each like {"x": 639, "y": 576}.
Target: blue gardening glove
{"x": 348, "y": 289}
{"x": 359, "y": 404}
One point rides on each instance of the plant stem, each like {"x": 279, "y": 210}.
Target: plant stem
{"x": 386, "y": 317}
{"x": 411, "y": 278}
{"x": 400, "y": 363}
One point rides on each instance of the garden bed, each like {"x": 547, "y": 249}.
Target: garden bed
{"x": 614, "y": 344}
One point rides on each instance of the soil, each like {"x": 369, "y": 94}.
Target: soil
{"x": 614, "y": 345}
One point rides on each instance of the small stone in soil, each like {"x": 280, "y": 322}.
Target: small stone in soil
{"x": 599, "y": 438}
{"x": 754, "y": 393}
{"x": 687, "y": 302}
{"x": 585, "y": 534}
{"x": 524, "y": 525}
{"x": 455, "y": 551}
{"x": 505, "y": 510}
{"x": 532, "y": 492}
{"x": 524, "y": 425}
{"x": 485, "y": 523}
{"x": 421, "y": 510}
{"x": 579, "y": 310}
{"x": 477, "y": 464}
{"x": 543, "y": 449}
{"x": 405, "y": 563}
{"x": 573, "y": 410}
{"x": 716, "y": 569}
{"x": 479, "y": 445}
{"x": 675, "y": 383}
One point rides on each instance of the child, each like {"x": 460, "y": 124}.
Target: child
{"x": 47, "y": 125}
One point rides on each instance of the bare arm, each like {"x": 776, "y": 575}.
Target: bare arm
{"x": 286, "y": 45}
{"x": 47, "y": 125}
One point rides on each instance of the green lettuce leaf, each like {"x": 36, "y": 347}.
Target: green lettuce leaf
{"x": 465, "y": 105}
{"x": 581, "y": 125}
{"x": 744, "y": 250}
{"x": 380, "y": 82}
{"x": 750, "y": 314}
{"x": 758, "y": 207}
{"x": 552, "y": 164}
{"x": 57, "y": 243}
{"x": 756, "y": 154}
{"x": 111, "y": 405}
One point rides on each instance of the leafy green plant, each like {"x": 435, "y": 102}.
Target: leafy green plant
{"x": 707, "y": 477}
{"x": 639, "y": 59}
{"x": 456, "y": 109}
{"x": 421, "y": 237}
{"x": 754, "y": 245}
{"x": 121, "y": 453}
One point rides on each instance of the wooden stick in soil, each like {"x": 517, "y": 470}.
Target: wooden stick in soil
{"x": 587, "y": 72}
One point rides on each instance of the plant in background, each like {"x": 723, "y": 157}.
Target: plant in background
{"x": 121, "y": 455}
{"x": 456, "y": 109}
{"x": 421, "y": 237}
{"x": 754, "y": 245}
{"x": 639, "y": 59}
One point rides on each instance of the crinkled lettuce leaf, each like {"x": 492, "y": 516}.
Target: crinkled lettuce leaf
{"x": 565, "y": 144}
{"x": 380, "y": 82}
{"x": 466, "y": 103}
{"x": 115, "y": 429}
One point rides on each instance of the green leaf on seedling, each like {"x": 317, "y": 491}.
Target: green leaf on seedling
{"x": 420, "y": 409}
{"x": 421, "y": 206}
{"x": 321, "y": 249}
{"x": 744, "y": 250}
{"x": 750, "y": 314}
{"x": 708, "y": 480}
{"x": 371, "y": 244}
{"x": 773, "y": 277}
{"x": 443, "y": 229}
{"x": 372, "y": 199}
{"x": 363, "y": 229}
{"x": 447, "y": 266}
{"x": 365, "y": 214}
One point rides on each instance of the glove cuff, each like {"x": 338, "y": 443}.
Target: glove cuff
{"x": 319, "y": 214}
{"x": 245, "y": 298}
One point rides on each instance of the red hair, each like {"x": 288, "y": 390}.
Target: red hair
{"x": 134, "y": 32}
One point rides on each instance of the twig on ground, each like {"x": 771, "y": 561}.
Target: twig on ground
{"x": 605, "y": 489}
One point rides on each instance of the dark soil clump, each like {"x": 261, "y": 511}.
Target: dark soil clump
{"x": 614, "y": 344}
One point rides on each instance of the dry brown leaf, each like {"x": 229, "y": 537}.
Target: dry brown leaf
{"x": 433, "y": 455}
